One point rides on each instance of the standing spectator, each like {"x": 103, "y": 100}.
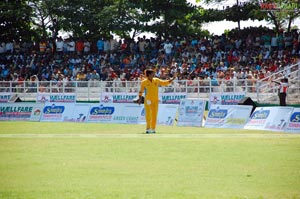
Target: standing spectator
{"x": 266, "y": 39}
{"x": 280, "y": 42}
{"x": 168, "y": 50}
{"x": 100, "y": 45}
{"x": 288, "y": 40}
{"x": 79, "y": 46}
{"x": 9, "y": 47}
{"x": 59, "y": 45}
{"x": 257, "y": 42}
{"x": 106, "y": 46}
{"x": 113, "y": 44}
{"x": 274, "y": 42}
{"x": 2, "y": 48}
{"x": 282, "y": 90}
{"x": 71, "y": 46}
{"x": 142, "y": 45}
{"x": 87, "y": 47}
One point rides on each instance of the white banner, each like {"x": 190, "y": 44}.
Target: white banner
{"x": 57, "y": 112}
{"x": 129, "y": 113}
{"x": 115, "y": 113}
{"x": 4, "y": 97}
{"x": 230, "y": 98}
{"x": 56, "y": 97}
{"x": 79, "y": 113}
{"x": 171, "y": 98}
{"x": 117, "y": 97}
{"x": 190, "y": 112}
{"x": 293, "y": 125}
{"x": 102, "y": 112}
{"x": 21, "y": 111}
{"x": 228, "y": 116}
{"x": 167, "y": 114}
{"x": 164, "y": 98}
{"x": 270, "y": 118}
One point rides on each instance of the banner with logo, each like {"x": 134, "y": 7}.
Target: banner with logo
{"x": 4, "y": 97}
{"x": 228, "y": 116}
{"x": 167, "y": 114}
{"x": 190, "y": 112}
{"x": 270, "y": 118}
{"x": 230, "y": 98}
{"x": 293, "y": 125}
{"x": 171, "y": 98}
{"x": 117, "y": 97}
{"x": 36, "y": 112}
{"x": 127, "y": 113}
{"x": 21, "y": 111}
{"x": 56, "y": 97}
{"x": 57, "y": 112}
{"x": 164, "y": 98}
{"x": 79, "y": 113}
{"x": 101, "y": 112}
{"x": 114, "y": 113}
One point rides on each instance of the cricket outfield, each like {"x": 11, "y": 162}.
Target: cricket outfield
{"x": 114, "y": 161}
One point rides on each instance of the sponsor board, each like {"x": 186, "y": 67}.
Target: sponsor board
{"x": 56, "y": 97}
{"x": 57, "y": 112}
{"x": 293, "y": 125}
{"x": 228, "y": 116}
{"x": 230, "y": 98}
{"x": 4, "y": 97}
{"x": 164, "y": 98}
{"x": 171, "y": 98}
{"x": 190, "y": 112}
{"x": 21, "y": 111}
{"x": 269, "y": 118}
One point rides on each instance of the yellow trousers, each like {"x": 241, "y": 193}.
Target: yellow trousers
{"x": 151, "y": 109}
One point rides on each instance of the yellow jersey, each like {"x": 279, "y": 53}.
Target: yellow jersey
{"x": 150, "y": 88}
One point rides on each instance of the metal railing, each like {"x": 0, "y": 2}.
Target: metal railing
{"x": 267, "y": 91}
{"x": 92, "y": 90}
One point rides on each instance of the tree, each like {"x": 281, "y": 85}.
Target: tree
{"x": 281, "y": 14}
{"x": 15, "y": 20}
{"x": 47, "y": 16}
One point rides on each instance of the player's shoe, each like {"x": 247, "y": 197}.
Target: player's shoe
{"x": 148, "y": 131}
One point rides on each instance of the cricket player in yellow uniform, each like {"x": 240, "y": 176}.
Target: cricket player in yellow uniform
{"x": 149, "y": 86}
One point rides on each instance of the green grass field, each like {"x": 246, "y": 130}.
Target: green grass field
{"x": 41, "y": 160}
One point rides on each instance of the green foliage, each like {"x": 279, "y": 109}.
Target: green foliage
{"x": 15, "y": 20}
{"x": 27, "y": 19}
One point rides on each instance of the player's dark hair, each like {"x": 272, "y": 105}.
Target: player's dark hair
{"x": 149, "y": 72}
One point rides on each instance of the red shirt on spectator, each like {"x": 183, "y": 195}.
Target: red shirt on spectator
{"x": 79, "y": 46}
{"x": 273, "y": 68}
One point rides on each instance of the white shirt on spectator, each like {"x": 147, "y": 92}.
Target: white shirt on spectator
{"x": 2, "y": 48}
{"x": 9, "y": 46}
{"x": 71, "y": 46}
{"x": 168, "y": 48}
{"x": 59, "y": 45}
{"x": 87, "y": 46}
{"x": 274, "y": 41}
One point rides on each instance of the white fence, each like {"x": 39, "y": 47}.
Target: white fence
{"x": 90, "y": 91}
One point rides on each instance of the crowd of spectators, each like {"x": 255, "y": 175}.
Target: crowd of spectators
{"x": 254, "y": 55}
